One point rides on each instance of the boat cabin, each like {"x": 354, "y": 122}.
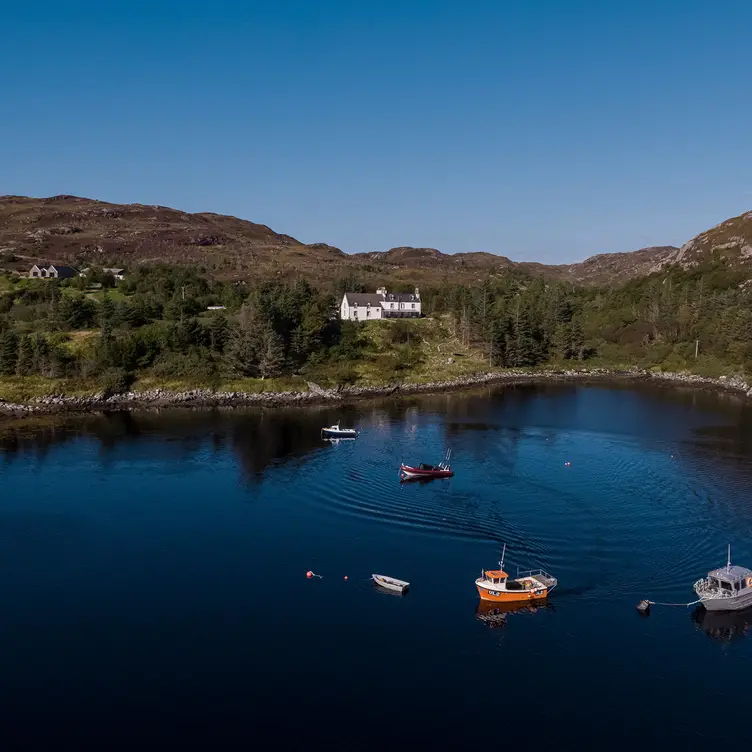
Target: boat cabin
{"x": 495, "y": 576}
{"x": 731, "y": 579}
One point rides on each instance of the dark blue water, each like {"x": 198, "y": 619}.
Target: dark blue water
{"x": 152, "y": 575}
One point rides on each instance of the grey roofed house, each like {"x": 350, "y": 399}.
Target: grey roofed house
{"x": 362, "y": 306}
{"x": 61, "y": 272}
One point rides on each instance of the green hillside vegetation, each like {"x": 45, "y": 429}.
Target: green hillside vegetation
{"x": 155, "y": 329}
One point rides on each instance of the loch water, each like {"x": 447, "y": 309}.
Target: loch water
{"x": 154, "y": 593}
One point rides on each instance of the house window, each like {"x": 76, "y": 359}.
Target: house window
{"x": 368, "y": 313}
{"x": 413, "y": 305}
{"x": 392, "y": 305}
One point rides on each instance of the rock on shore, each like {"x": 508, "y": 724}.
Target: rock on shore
{"x": 318, "y": 395}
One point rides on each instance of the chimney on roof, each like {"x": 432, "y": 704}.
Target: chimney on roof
{"x": 417, "y": 293}
{"x": 381, "y": 291}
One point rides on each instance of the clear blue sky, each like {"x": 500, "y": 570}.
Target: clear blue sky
{"x": 542, "y": 130}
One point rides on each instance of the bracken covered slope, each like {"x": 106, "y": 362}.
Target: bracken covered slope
{"x": 73, "y": 230}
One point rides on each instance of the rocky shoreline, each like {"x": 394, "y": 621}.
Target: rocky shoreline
{"x": 317, "y": 395}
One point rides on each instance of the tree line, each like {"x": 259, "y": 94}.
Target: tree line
{"x": 157, "y": 319}
{"x": 668, "y": 319}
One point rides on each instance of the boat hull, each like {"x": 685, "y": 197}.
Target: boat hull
{"x": 389, "y": 583}
{"x": 733, "y": 603}
{"x": 514, "y": 596}
{"x": 415, "y": 473}
{"x": 329, "y": 434}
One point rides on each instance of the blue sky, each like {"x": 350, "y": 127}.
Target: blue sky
{"x": 540, "y": 130}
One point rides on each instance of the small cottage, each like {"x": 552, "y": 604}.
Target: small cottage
{"x": 52, "y": 272}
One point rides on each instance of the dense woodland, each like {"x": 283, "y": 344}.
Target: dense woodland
{"x": 157, "y": 321}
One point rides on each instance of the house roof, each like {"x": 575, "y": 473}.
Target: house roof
{"x": 62, "y": 268}
{"x": 364, "y": 298}
{"x": 401, "y": 297}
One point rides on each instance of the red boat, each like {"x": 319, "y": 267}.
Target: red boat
{"x": 424, "y": 471}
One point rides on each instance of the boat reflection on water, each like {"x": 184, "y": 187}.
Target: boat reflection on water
{"x": 417, "y": 481}
{"x": 724, "y": 626}
{"x": 495, "y": 615}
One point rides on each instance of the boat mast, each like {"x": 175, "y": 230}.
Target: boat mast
{"x": 728, "y": 562}
{"x": 501, "y": 563}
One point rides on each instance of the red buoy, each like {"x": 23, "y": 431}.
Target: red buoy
{"x": 309, "y": 574}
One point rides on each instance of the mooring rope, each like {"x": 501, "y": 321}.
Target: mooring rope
{"x": 685, "y": 605}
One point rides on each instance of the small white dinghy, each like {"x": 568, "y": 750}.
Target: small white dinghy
{"x": 398, "y": 586}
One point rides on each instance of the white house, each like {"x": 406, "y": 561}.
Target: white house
{"x": 362, "y": 306}
{"x": 53, "y": 272}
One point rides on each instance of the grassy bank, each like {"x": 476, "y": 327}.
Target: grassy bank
{"x": 382, "y": 353}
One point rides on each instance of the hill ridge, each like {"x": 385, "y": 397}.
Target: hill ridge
{"x": 74, "y": 229}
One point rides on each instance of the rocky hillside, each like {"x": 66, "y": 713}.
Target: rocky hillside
{"x": 68, "y": 229}
{"x": 731, "y": 240}
{"x": 610, "y": 268}
{"x": 83, "y": 231}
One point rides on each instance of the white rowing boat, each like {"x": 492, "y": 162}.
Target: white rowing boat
{"x": 390, "y": 583}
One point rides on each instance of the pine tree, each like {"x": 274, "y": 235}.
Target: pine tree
{"x": 107, "y": 312}
{"x": 576, "y": 340}
{"x": 8, "y": 353}
{"x": 271, "y": 353}
{"x": 559, "y": 347}
{"x": 25, "y": 360}
{"x": 40, "y": 363}
{"x": 218, "y": 332}
{"x": 241, "y": 352}
{"x": 106, "y": 347}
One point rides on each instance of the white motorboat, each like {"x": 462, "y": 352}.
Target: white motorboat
{"x": 335, "y": 432}
{"x": 726, "y": 589}
{"x": 390, "y": 583}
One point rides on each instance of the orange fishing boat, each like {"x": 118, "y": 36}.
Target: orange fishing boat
{"x": 496, "y": 585}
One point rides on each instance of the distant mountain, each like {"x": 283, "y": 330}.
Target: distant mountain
{"x": 73, "y": 230}
{"x": 607, "y": 268}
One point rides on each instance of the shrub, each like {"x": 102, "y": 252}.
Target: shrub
{"x": 116, "y": 381}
